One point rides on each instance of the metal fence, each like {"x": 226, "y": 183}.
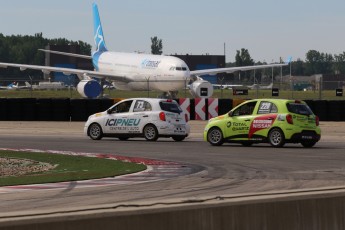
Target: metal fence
{"x": 328, "y": 90}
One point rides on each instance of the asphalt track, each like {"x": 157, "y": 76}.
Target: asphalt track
{"x": 207, "y": 171}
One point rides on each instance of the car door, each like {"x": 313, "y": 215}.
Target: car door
{"x": 142, "y": 114}
{"x": 239, "y": 121}
{"x": 118, "y": 118}
{"x": 265, "y": 116}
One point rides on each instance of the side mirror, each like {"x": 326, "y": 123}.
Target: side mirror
{"x": 230, "y": 113}
{"x": 109, "y": 111}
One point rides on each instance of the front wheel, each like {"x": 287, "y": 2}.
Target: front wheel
{"x": 215, "y": 136}
{"x": 308, "y": 144}
{"x": 95, "y": 131}
{"x": 150, "y": 132}
{"x": 276, "y": 137}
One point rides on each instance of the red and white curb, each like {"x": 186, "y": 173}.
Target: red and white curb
{"x": 156, "y": 170}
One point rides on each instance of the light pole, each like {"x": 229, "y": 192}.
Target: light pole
{"x": 148, "y": 85}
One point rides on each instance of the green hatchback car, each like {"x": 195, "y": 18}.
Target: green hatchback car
{"x": 276, "y": 121}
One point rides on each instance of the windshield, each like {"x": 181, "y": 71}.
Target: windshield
{"x": 170, "y": 107}
{"x": 299, "y": 109}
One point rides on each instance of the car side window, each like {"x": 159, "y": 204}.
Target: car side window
{"x": 122, "y": 107}
{"x": 141, "y": 106}
{"x": 266, "y": 107}
{"x": 246, "y": 109}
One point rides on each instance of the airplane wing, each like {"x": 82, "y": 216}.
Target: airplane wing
{"x": 81, "y": 73}
{"x": 233, "y": 69}
{"x": 66, "y": 54}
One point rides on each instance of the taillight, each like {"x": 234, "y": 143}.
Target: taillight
{"x": 186, "y": 117}
{"x": 289, "y": 119}
{"x": 162, "y": 116}
{"x": 317, "y": 120}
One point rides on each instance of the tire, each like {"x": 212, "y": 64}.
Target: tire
{"x": 276, "y": 138}
{"x": 247, "y": 144}
{"x": 215, "y": 136}
{"x": 308, "y": 144}
{"x": 123, "y": 138}
{"x": 95, "y": 131}
{"x": 150, "y": 132}
{"x": 178, "y": 138}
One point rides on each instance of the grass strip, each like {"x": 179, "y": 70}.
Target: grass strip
{"x": 69, "y": 168}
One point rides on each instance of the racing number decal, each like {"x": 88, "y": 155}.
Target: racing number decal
{"x": 262, "y": 122}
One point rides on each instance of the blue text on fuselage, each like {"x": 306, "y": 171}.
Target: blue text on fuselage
{"x": 146, "y": 63}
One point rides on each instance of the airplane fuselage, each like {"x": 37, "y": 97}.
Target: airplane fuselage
{"x": 144, "y": 71}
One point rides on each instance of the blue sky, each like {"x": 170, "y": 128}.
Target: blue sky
{"x": 269, "y": 29}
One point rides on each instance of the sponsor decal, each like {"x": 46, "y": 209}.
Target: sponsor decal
{"x": 130, "y": 125}
{"x": 261, "y": 122}
{"x": 146, "y": 63}
{"x": 122, "y": 122}
{"x": 238, "y": 126}
{"x": 228, "y": 124}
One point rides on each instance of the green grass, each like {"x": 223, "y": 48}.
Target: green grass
{"x": 226, "y": 93}
{"x": 70, "y": 168}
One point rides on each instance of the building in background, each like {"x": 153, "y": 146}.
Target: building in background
{"x": 200, "y": 62}
{"x": 64, "y": 61}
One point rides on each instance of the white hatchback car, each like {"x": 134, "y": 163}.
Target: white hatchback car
{"x": 139, "y": 117}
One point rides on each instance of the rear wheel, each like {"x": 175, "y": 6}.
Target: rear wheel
{"x": 276, "y": 137}
{"x": 95, "y": 131}
{"x": 150, "y": 132}
{"x": 247, "y": 144}
{"x": 178, "y": 138}
{"x": 308, "y": 144}
{"x": 215, "y": 136}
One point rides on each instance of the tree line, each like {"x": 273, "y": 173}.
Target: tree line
{"x": 24, "y": 50}
{"x": 315, "y": 63}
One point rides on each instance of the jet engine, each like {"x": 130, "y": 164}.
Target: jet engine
{"x": 89, "y": 88}
{"x": 201, "y": 88}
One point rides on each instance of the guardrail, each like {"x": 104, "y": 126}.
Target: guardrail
{"x": 303, "y": 210}
{"x": 66, "y": 109}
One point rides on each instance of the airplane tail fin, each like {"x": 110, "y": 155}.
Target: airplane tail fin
{"x": 98, "y": 31}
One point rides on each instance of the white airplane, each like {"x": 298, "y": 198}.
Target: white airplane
{"x": 135, "y": 71}
{"x": 226, "y": 86}
{"x": 257, "y": 86}
{"x": 15, "y": 85}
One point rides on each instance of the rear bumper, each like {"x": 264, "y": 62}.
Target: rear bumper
{"x": 305, "y": 136}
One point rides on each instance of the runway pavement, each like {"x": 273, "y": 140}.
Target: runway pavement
{"x": 331, "y": 131}
{"x": 227, "y": 170}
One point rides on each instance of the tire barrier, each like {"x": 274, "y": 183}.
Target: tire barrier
{"x": 224, "y": 106}
{"x": 61, "y": 109}
{"x": 44, "y": 109}
{"x": 3, "y": 109}
{"x": 321, "y": 109}
{"x": 65, "y": 109}
{"x": 78, "y": 110}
